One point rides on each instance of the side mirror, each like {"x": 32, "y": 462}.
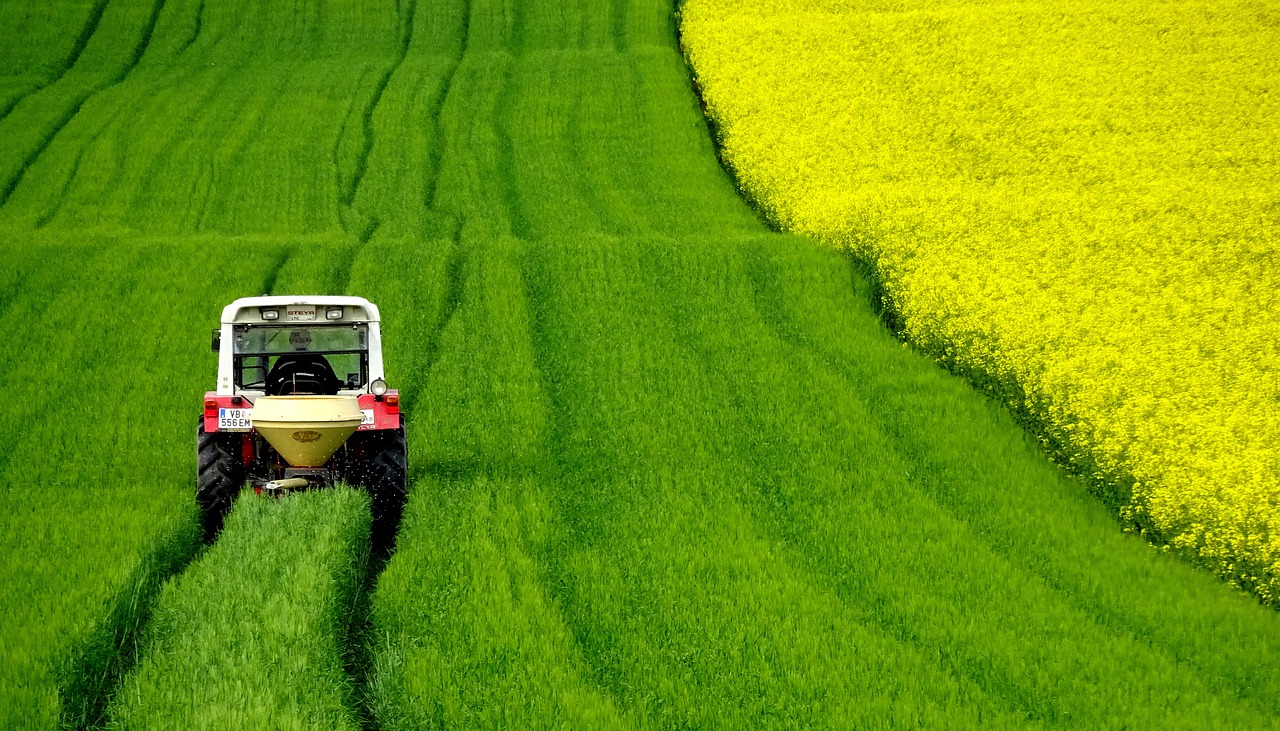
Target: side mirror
{"x": 217, "y": 340}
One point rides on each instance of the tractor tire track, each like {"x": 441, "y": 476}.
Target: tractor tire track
{"x": 619, "y": 19}
{"x": 139, "y": 50}
{"x": 92, "y": 674}
{"x": 356, "y": 222}
{"x": 86, "y": 33}
{"x": 455, "y": 282}
{"x": 924, "y": 468}
{"x": 774, "y": 527}
{"x": 502, "y": 123}
{"x": 246, "y": 136}
{"x": 555, "y": 577}
{"x": 195, "y": 32}
{"x": 441, "y": 218}
{"x": 158, "y": 82}
{"x": 347, "y": 196}
{"x": 340, "y": 186}
{"x": 436, "y": 158}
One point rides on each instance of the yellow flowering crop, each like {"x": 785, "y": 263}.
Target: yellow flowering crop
{"x": 1076, "y": 203}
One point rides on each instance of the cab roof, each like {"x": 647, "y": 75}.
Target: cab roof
{"x": 249, "y": 309}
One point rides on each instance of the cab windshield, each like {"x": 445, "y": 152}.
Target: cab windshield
{"x": 281, "y": 359}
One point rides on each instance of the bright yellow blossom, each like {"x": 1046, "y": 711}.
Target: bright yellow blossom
{"x": 1076, "y": 204}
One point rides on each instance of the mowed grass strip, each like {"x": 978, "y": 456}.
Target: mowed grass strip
{"x": 253, "y": 634}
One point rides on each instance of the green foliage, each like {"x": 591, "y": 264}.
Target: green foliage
{"x": 669, "y": 470}
{"x": 252, "y": 634}
{"x": 878, "y": 546}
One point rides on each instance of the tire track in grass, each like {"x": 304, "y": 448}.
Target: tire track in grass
{"x": 82, "y": 40}
{"x": 196, "y": 27}
{"x": 443, "y": 216}
{"x": 85, "y": 671}
{"x": 642, "y": 621}
{"x": 67, "y": 182}
{"x": 926, "y": 476}
{"x": 512, "y": 51}
{"x": 438, "y": 115}
{"x": 442, "y": 220}
{"x": 577, "y": 156}
{"x": 348, "y": 195}
{"x": 200, "y": 121}
{"x": 6, "y": 191}
{"x": 454, "y": 283}
{"x": 253, "y": 634}
{"x": 1247, "y": 676}
{"x": 515, "y": 220}
{"x": 618, "y": 185}
{"x": 77, "y": 585}
{"x": 177, "y": 146}
{"x": 90, "y": 673}
{"x": 225, "y": 163}
{"x": 619, "y": 17}
{"x": 770, "y": 456}
{"x": 145, "y": 99}
{"x": 554, "y": 383}
{"x": 471, "y": 538}
{"x": 272, "y": 274}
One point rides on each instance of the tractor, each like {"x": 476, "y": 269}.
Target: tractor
{"x": 301, "y": 403}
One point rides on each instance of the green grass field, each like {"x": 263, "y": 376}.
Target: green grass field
{"x": 279, "y": 587}
{"x": 669, "y": 468}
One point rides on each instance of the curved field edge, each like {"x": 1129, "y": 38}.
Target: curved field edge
{"x": 1180, "y": 460}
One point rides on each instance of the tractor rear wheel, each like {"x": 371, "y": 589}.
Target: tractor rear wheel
{"x": 380, "y": 465}
{"x": 219, "y": 477}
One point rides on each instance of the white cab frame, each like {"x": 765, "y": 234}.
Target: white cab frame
{"x": 247, "y": 311}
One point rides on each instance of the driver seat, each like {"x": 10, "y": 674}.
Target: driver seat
{"x": 302, "y": 373}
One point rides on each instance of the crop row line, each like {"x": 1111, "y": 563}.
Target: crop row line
{"x": 90, "y": 27}
{"x": 47, "y": 139}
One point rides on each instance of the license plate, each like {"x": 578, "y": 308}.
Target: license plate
{"x": 235, "y": 419}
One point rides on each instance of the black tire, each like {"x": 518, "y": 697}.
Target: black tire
{"x": 379, "y": 463}
{"x": 219, "y": 477}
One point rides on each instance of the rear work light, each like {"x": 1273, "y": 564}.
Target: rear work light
{"x": 269, "y": 313}
{"x": 333, "y": 313}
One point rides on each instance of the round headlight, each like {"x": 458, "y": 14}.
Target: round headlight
{"x": 378, "y": 387}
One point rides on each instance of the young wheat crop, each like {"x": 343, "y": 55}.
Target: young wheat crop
{"x": 252, "y": 635}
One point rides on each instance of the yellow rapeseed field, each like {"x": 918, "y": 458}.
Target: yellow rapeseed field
{"x": 1076, "y": 203}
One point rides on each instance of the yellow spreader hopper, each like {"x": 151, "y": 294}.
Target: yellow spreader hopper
{"x": 306, "y": 430}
